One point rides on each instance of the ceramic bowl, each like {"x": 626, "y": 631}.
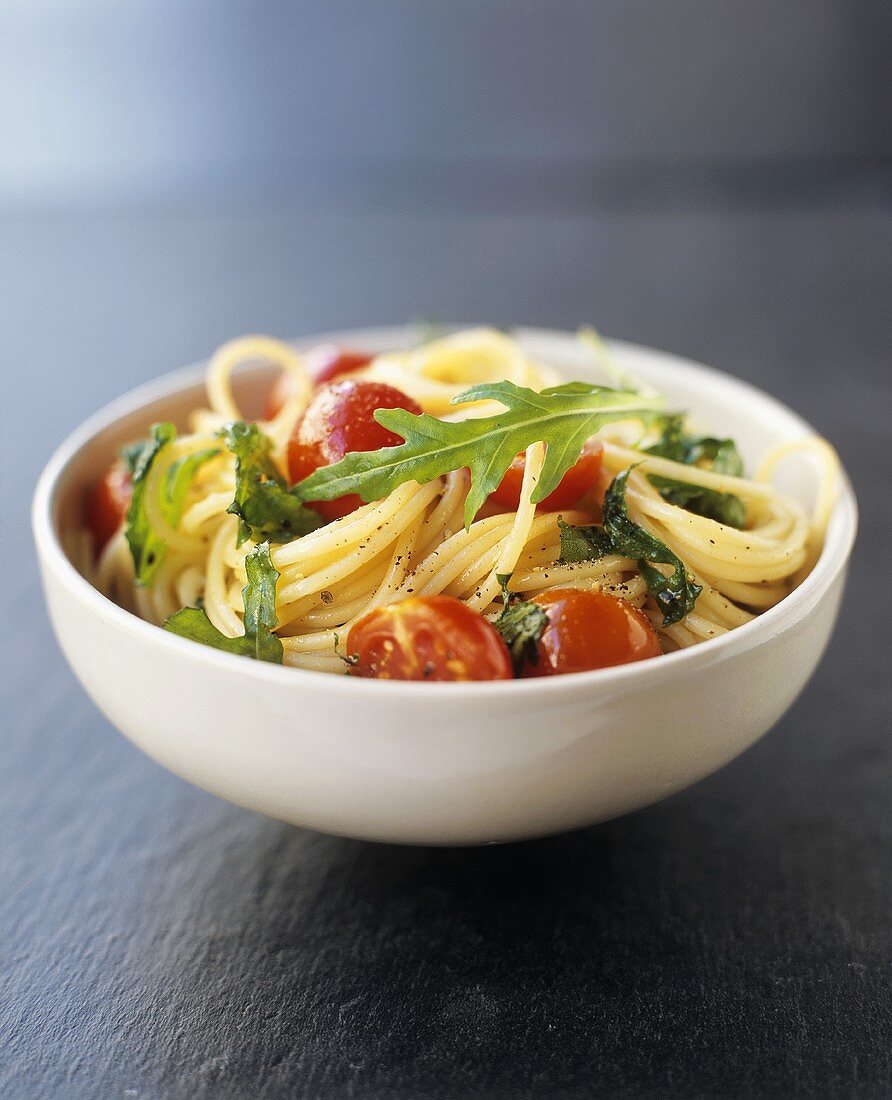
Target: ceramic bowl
{"x": 434, "y": 763}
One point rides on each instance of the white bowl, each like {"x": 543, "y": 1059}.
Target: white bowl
{"x": 433, "y": 763}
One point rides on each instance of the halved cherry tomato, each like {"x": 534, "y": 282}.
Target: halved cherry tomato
{"x": 576, "y": 482}
{"x": 330, "y": 361}
{"x": 340, "y": 418}
{"x": 428, "y": 638}
{"x": 589, "y": 630}
{"x": 108, "y": 502}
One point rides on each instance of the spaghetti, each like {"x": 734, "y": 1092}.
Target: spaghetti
{"x": 414, "y": 542}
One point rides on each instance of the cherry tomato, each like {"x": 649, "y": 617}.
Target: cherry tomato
{"x": 332, "y": 362}
{"x": 108, "y": 502}
{"x": 340, "y": 418}
{"x": 428, "y": 638}
{"x": 589, "y": 630}
{"x": 576, "y": 482}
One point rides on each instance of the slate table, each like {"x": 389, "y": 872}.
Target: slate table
{"x": 734, "y": 941}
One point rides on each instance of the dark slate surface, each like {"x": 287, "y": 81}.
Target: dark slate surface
{"x": 734, "y": 941}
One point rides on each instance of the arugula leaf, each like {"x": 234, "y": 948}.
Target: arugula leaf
{"x": 672, "y": 444}
{"x": 521, "y": 624}
{"x": 720, "y": 455}
{"x": 563, "y": 417}
{"x": 675, "y": 595}
{"x": 146, "y": 546}
{"x": 583, "y": 543}
{"x": 131, "y": 454}
{"x": 259, "y": 596}
{"x": 678, "y": 445}
{"x": 266, "y": 508}
{"x": 177, "y": 482}
{"x": 722, "y": 507}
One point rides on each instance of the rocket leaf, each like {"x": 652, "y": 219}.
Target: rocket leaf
{"x": 563, "y": 417}
{"x": 259, "y": 596}
{"x": 521, "y": 624}
{"x": 720, "y": 455}
{"x": 674, "y": 595}
{"x": 147, "y": 547}
{"x": 265, "y": 506}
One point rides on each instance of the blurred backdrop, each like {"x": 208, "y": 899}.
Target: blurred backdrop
{"x": 709, "y": 176}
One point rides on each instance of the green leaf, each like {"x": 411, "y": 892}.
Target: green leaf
{"x": 265, "y": 507}
{"x": 177, "y": 482}
{"x": 146, "y": 548}
{"x": 722, "y": 507}
{"x": 146, "y": 545}
{"x": 675, "y": 595}
{"x": 131, "y": 454}
{"x": 719, "y": 455}
{"x": 259, "y": 597}
{"x": 520, "y": 624}
{"x": 563, "y": 417}
{"x": 672, "y": 444}
{"x": 678, "y": 445}
{"x": 583, "y": 543}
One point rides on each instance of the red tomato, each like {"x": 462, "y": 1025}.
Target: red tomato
{"x": 340, "y": 418}
{"x": 428, "y": 638}
{"x": 108, "y": 502}
{"x": 576, "y": 482}
{"x": 331, "y": 361}
{"x": 590, "y": 630}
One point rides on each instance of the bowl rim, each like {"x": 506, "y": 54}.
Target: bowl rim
{"x": 831, "y": 562}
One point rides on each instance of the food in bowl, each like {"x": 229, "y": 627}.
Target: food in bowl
{"x": 457, "y": 511}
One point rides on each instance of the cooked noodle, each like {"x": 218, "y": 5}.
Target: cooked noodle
{"x": 414, "y": 541}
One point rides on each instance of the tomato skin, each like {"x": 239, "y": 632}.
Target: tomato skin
{"x": 581, "y": 478}
{"x": 428, "y": 638}
{"x": 588, "y": 630}
{"x": 331, "y": 363}
{"x": 108, "y": 502}
{"x": 340, "y": 418}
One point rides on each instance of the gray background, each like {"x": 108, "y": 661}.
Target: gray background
{"x": 709, "y": 177}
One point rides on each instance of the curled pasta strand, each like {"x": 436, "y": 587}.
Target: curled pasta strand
{"x": 227, "y": 358}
